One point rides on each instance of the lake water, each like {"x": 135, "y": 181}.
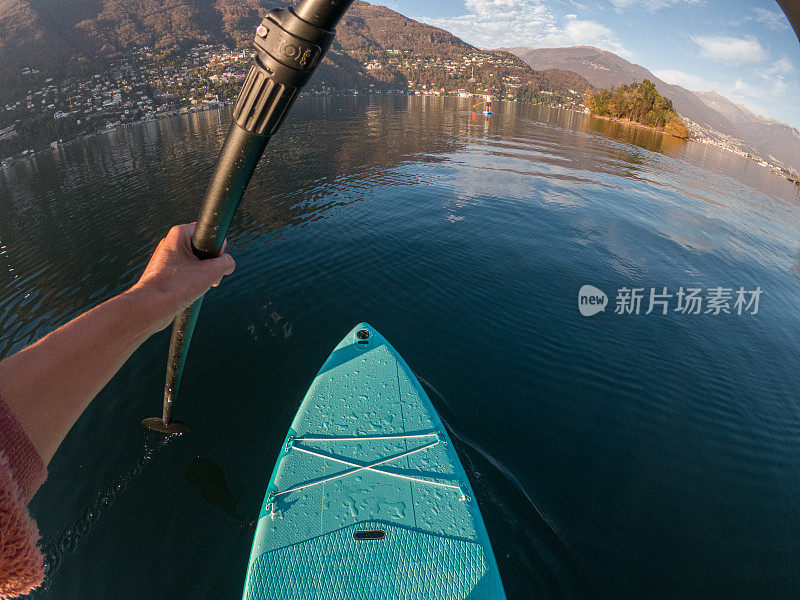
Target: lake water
{"x": 613, "y": 456}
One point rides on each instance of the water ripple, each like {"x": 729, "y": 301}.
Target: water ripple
{"x": 648, "y": 442}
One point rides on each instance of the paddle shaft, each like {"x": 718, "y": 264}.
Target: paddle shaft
{"x": 289, "y": 44}
{"x": 240, "y": 154}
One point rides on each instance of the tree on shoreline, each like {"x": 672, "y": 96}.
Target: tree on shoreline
{"x": 638, "y": 102}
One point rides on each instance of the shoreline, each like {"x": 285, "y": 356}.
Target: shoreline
{"x": 193, "y": 109}
{"x": 775, "y": 169}
{"x": 637, "y": 124}
{"x": 189, "y": 109}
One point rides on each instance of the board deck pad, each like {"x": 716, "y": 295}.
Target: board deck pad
{"x": 368, "y": 499}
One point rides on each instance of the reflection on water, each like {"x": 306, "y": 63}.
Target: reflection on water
{"x": 639, "y": 456}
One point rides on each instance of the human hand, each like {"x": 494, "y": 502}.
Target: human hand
{"x": 174, "y": 278}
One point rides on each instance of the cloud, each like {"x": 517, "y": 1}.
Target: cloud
{"x": 496, "y": 23}
{"x": 753, "y": 93}
{"x": 774, "y": 19}
{"x": 577, "y": 32}
{"x": 744, "y": 91}
{"x": 683, "y": 79}
{"x": 651, "y": 5}
{"x": 730, "y": 49}
{"x": 781, "y": 67}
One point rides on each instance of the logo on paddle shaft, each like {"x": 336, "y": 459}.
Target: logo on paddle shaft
{"x": 591, "y": 300}
{"x": 685, "y": 301}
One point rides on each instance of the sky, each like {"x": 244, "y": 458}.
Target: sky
{"x": 744, "y": 49}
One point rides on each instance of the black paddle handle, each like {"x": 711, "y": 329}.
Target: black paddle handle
{"x": 237, "y": 160}
{"x": 290, "y": 43}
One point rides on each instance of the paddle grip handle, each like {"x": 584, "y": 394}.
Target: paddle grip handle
{"x": 290, "y": 43}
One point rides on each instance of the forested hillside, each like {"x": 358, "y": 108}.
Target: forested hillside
{"x": 75, "y": 37}
{"x": 80, "y": 37}
{"x": 640, "y": 103}
{"x": 709, "y": 116}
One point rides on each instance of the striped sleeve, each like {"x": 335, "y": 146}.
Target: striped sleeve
{"x": 22, "y": 471}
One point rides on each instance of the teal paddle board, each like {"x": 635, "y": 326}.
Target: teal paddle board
{"x": 368, "y": 499}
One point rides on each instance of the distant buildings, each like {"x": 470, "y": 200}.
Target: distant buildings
{"x": 147, "y": 84}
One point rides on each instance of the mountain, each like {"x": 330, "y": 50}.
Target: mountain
{"x": 603, "y": 69}
{"x": 710, "y": 115}
{"x": 76, "y": 36}
{"x": 435, "y": 57}
{"x": 71, "y": 67}
{"x": 779, "y": 139}
{"x": 80, "y": 37}
{"x": 732, "y": 112}
{"x": 606, "y": 70}
{"x": 367, "y": 28}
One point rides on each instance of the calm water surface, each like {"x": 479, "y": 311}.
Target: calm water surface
{"x": 617, "y": 456}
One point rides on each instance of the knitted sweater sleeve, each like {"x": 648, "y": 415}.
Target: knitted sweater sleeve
{"x": 22, "y": 471}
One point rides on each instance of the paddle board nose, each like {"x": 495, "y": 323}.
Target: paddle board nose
{"x": 368, "y": 499}
{"x": 363, "y": 336}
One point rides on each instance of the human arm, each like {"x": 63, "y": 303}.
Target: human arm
{"x": 49, "y": 384}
